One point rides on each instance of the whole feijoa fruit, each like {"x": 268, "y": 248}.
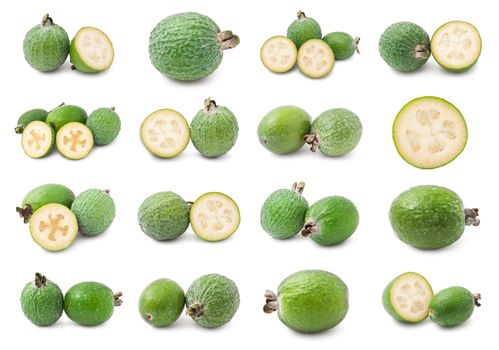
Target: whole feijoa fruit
{"x": 453, "y": 306}
{"x": 303, "y": 29}
{"x": 343, "y": 44}
{"x": 27, "y": 117}
{"x": 95, "y": 211}
{"x": 162, "y": 302}
{"x": 65, "y": 114}
{"x": 105, "y": 125}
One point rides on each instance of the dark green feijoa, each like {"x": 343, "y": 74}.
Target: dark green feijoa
{"x": 214, "y": 130}
{"x": 303, "y": 29}
{"x": 283, "y": 129}
{"x": 343, "y": 44}
{"x": 46, "y": 46}
{"x": 162, "y": 302}
{"x": 331, "y": 220}
{"x": 90, "y": 303}
{"x": 283, "y": 212}
{"x": 212, "y": 300}
{"x": 309, "y": 301}
{"x": 42, "y": 301}
{"x": 37, "y": 114}
{"x": 42, "y": 195}
{"x": 164, "y": 216}
{"x": 453, "y": 306}
{"x": 405, "y": 46}
{"x": 95, "y": 210}
{"x": 335, "y": 132}
{"x": 105, "y": 125}
{"x": 430, "y": 217}
{"x": 65, "y": 114}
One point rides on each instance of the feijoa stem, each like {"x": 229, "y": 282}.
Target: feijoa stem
{"x": 117, "y": 300}
{"x": 271, "y": 303}
{"x": 228, "y": 40}
{"x": 309, "y": 228}
{"x": 189, "y": 204}
{"x": 25, "y": 212}
{"x": 209, "y": 104}
{"x": 40, "y": 280}
{"x": 471, "y": 217}
{"x": 298, "y": 187}
{"x": 313, "y": 141}
{"x": 195, "y": 310}
{"x": 19, "y": 129}
{"x": 301, "y": 14}
{"x": 47, "y": 21}
{"x": 421, "y": 52}
{"x": 149, "y": 317}
{"x": 477, "y": 297}
{"x": 356, "y": 44}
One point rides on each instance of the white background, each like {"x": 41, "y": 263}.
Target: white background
{"x": 372, "y": 176}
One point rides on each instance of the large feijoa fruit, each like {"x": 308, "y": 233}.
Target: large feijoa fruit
{"x": 53, "y": 227}
{"x": 212, "y": 300}
{"x": 27, "y": 117}
{"x": 91, "y": 51}
{"x": 105, "y": 125}
{"x": 453, "y": 306}
{"x": 165, "y": 133}
{"x": 405, "y": 46}
{"x": 343, "y": 44}
{"x": 188, "y": 46}
{"x": 162, "y": 302}
{"x": 429, "y": 132}
{"x": 95, "y": 210}
{"x": 407, "y": 297}
{"x": 164, "y": 216}
{"x": 283, "y": 213}
{"x": 214, "y": 130}
{"x": 283, "y": 129}
{"x": 456, "y": 46}
{"x": 303, "y": 29}
{"x": 335, "y": 132}
{"x": 38, "y": 139}
{"x": 278, "y": 54}
{"x": 309, "y": 301}
{"x": 74, "y": 140}
{"x": 315, "y": 58}
{"x": 430, "y": 217}
{"x": 331, "y": 220}
{"x": 46, "y": 46}
{"x": 90, "y": 303}
{"x": 64, "y": 114}
{"x": 42, "y": 301}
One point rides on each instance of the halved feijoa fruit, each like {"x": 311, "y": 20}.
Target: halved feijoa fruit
{"x": 278, "y": 54}
{"x": 315, "y": 58}
{"x": 38, "y": 139}
{"x": 407, "y": 297}
{"x": 53, "y": 227}
{"x": 74, "y": 140}
{"x": 456, "y": 46}
{"x": 429, "y": 132}
{"x": 214, "y": 216}
{"x": 91, "y": 51}
{"x": 165, "y": 133}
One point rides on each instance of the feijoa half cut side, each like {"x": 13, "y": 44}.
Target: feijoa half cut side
{"x": 38, "y": 139}
{"x": 315, "y": 58}
{"x": 74, "y": 140}
{"x": 429, "y": 132}
{"x": 91, "y": 50}
{"x": 279, "y": 54}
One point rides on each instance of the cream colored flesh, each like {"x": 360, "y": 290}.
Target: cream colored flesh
{"x": 315, "y": 58}
{"x": 410, "y": 296}
{"x": 278, "y": 54}
{"x": 37, "y": 139}
{"x": 74, "y": 140}
{"x": 94, "y": 48}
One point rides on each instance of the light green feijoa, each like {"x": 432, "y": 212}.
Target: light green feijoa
{"x": 212, "y": 300}
{"x": 46, "y": 46}
{"x": 303, "y": 29}
{"x": 188, "y": 46}
{"x": 27, "y": 117}
{"x": 283, "y": 213}
{"x": 74, "y": 140}
{"x": 309, "y": 301}
{"x": 91, "y": 50}
{"x": 407, "y": 297}
{"x": 283, "y": 129}
{"x": 453, "y": 306}
{"x": 214, "y": 130}
{"x": 331, "y": 220}
{"x": 42, "y": 301}
{"x": 162, "y": 302}
{"x": 95, "y": 210}
{"x": 38, "y": 139}
{"x": 64, "y": 114}
{"x": 164, "y": 216}
{"x": 343, "y": 44}
{"x": 335, "y": 132}
{"x": 405, "y": 46}
{"x": 105, "y": 125}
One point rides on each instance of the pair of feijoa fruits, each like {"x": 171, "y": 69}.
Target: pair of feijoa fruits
{"x": 456, "y": 46}
{"x": 286, "y": 129}
{"x": 211, "y": 301}
{"x": 46, "y": 47}
{"x": 55, "y": 215}
{"x": 329, "y": 221}
{"x": 164, "y": 216}
{"x": 213, "y": 131}
{"x": 86, "y": 303}
{"x": 409, "y": 298}
{"x": 68, "y": 128}
{"x": 303, "y": 45}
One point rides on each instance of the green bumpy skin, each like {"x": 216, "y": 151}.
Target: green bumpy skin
{"x": 32, "y": 115}
{"x": 283, "y": 129}
{"x": 303, "y": 29}
{"x": 405, "y": 46}
{"x": 105, "y": 125}
{"x": 64, "y": 114}
{"x": 46, "y": 46}
{"x": 212, "y": 300}
{"x": 42, "y": 195}
{"x": 453, "y": 306}
{"x": 95, "y": 211}
{"x": 162, "y": 302}
{"x": 342, "y": 44}
{"x": 164, "y": 216}
{"x": 42, "y": 301}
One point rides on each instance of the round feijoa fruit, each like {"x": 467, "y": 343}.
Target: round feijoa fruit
{"x": 279, "y": 54}
{"x": 94, "y": 210}
{"x": 161, "y": 302}
{"x": 74, "y": 140}
{"x": 343, "y": 44}
{"x": 38, "y": 139}
{"x": 42, "y": 301}
{"x": 453, "y": 306}
{"x": 105, "y": 125}
{"x": 315, "y": 58}
{"x": 303, "y": 29}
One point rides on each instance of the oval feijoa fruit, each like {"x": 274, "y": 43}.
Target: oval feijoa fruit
{"x": 64, "y": 114}
{"x": 91, "y": 50}
{"x": 105, "y": 125}
{"x": 95, "y": 210}
{"x": 38, "y": 139}
{"x": 453, "y": 306}
{"x": 343, "y": 44}
{"x": 74, "y": 140}
{"x": 162, "y": 302}
{"x": 303, "y": 29}
{"x": 42, "y": 301}
{"x": 315, "y": 58}
{"x": 279, "y": 54}
{"x": 27, "y": 117}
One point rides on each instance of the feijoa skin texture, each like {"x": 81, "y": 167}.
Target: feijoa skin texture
{"x": 105, "y": 125}
{"x": 42, "y": 301}
{"x": 283, "y": 212}
{"x": 162, "y": 302}
{"x": 27, "y": 117}
{"x": 343, "y": 44}
{"x": 164, "y": 216}
{"x": 65, "y": 114}
{"x": 430, "y": 217}
{"x": 303, "y": 29}
{"x": 453, "y": 306}
{"x": 283, "y": 129}
{"x": 212, "y": 300}
{"x": 95, "y": 211}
